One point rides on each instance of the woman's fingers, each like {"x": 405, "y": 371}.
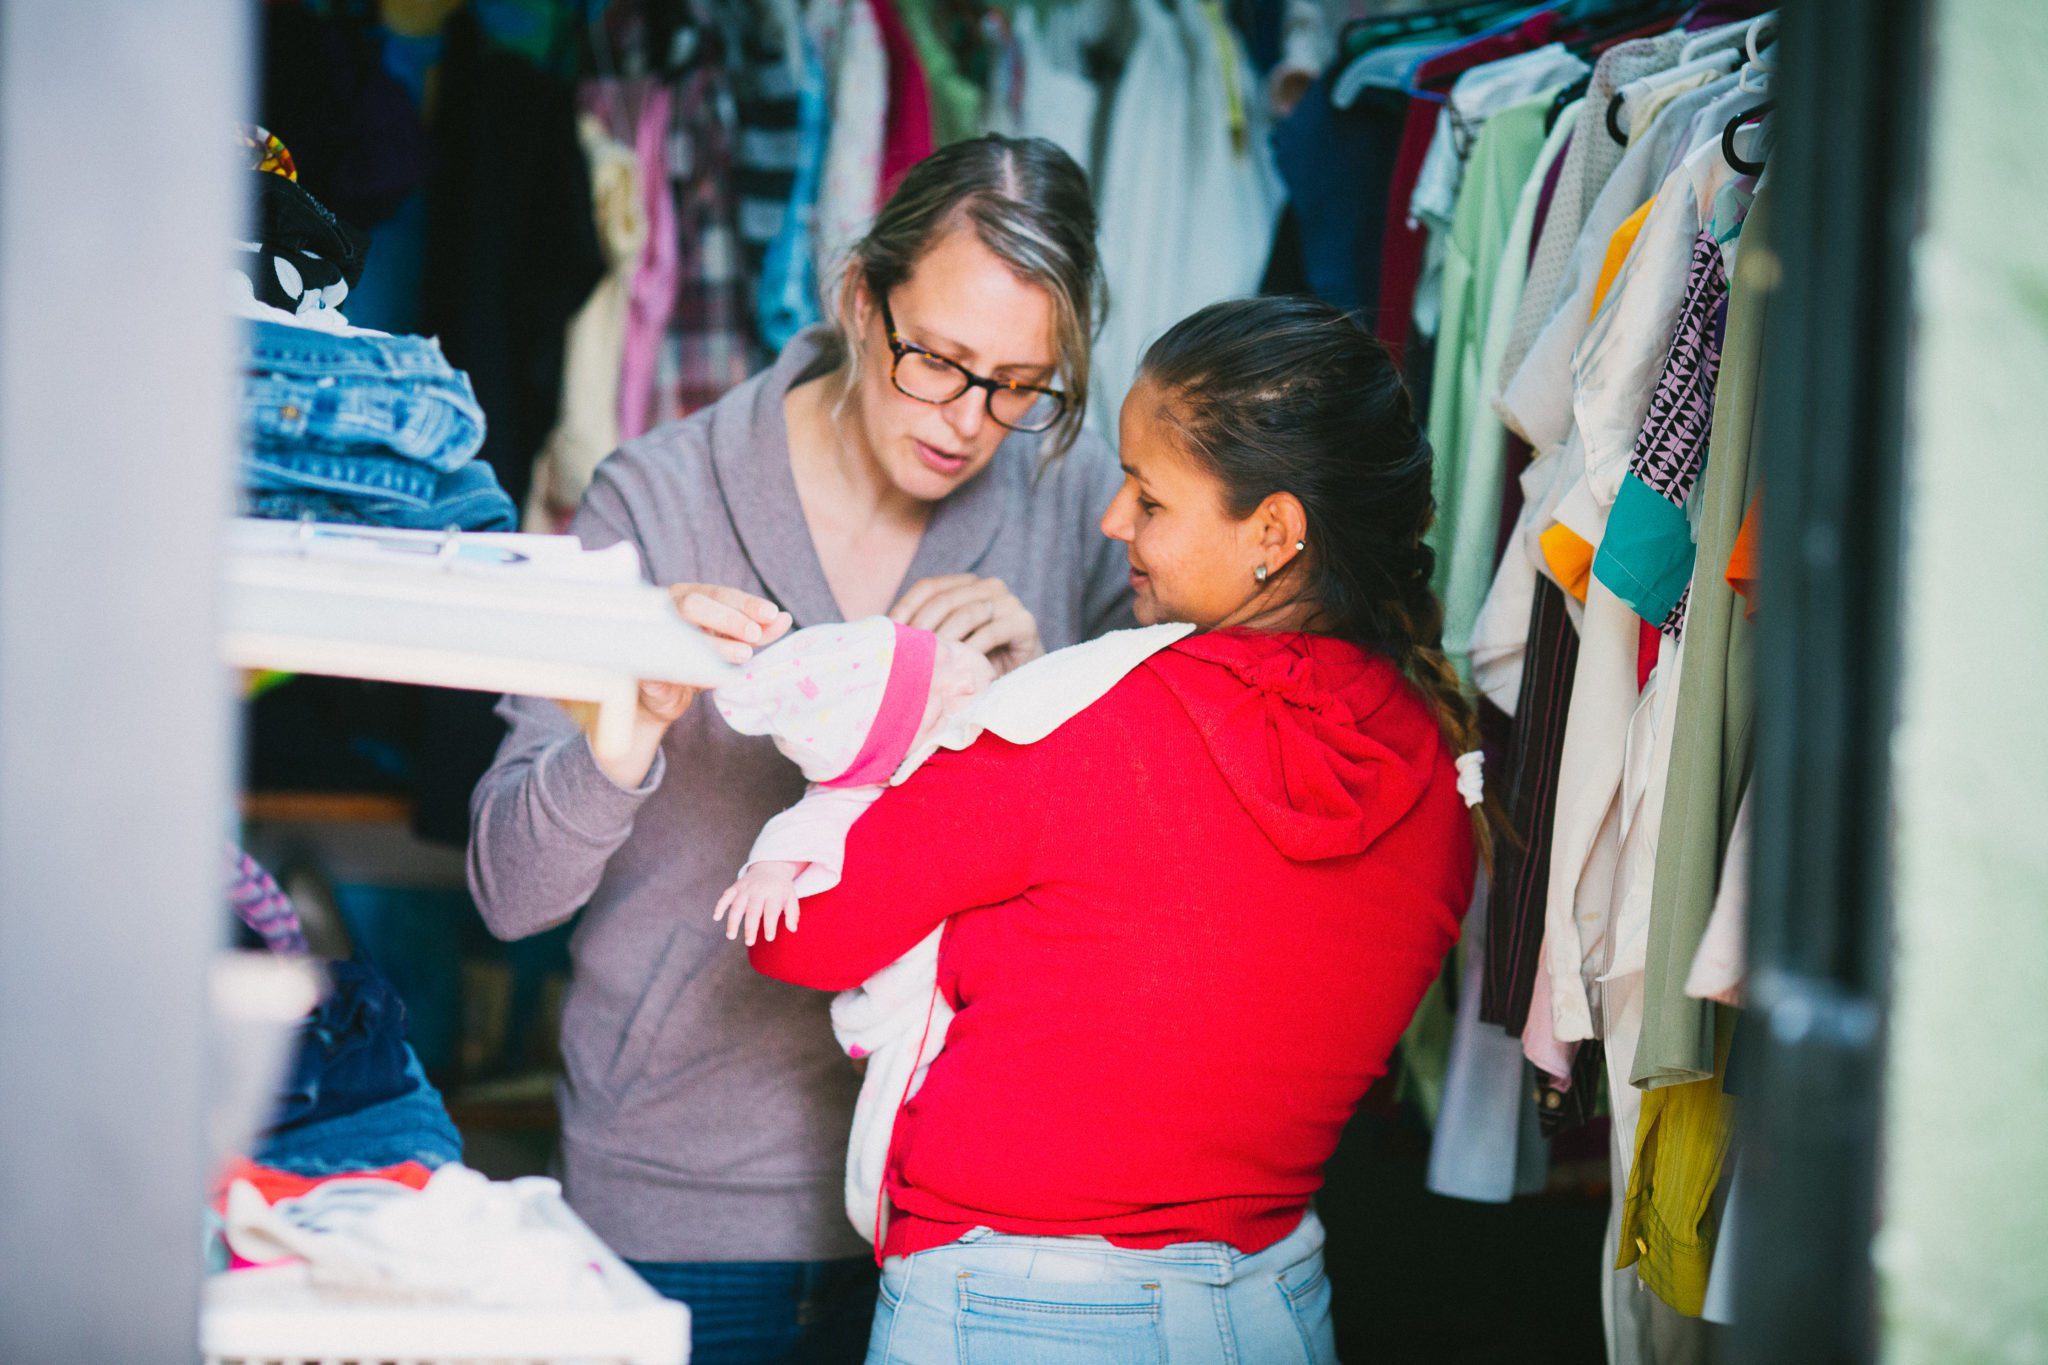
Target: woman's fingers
{"x": 953, "y": 613}
{"x": 920, "y": 594}
{"x": 1004, "y": 629}
{"x": 665, "y": 701}
{"x": 738, "y": 622}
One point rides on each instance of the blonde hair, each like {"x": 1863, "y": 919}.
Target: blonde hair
{"x": 1028, "y": 203}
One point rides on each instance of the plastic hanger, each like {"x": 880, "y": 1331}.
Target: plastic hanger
{"x": 1614, "y": 105}
{"x": 1575, "y": 91}
{"x": 1716, "y": 38}
{"x": 1728, "y": 152}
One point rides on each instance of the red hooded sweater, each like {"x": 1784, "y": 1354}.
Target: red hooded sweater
{"x": 1184, "y": 933}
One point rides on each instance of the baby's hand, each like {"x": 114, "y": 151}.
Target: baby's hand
{"x": 764, "y": 895}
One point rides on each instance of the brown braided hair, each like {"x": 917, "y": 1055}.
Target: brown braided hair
{"x": 1293, "y": 395}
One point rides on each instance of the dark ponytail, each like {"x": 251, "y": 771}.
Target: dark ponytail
{"x": 1292, "y": 395}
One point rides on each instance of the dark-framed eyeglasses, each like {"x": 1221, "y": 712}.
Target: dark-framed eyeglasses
{"x": 931, "y": 378}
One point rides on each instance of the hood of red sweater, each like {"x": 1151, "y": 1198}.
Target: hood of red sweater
{"x": 1324, "y": 744}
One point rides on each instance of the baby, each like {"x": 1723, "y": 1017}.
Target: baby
{"x": 846, "y": 703}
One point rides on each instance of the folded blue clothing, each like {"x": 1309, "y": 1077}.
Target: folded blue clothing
{"x": 352, "y": 1050}
{"x": 308, "y": 466}
{"x": 468, "y": 500}
{"x": 414, "y": 1126}
{"x": 384, "y": 395}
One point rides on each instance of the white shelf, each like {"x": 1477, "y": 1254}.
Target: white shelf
{"x": 532, "y": 615}
{"x": 274, "y": 1314}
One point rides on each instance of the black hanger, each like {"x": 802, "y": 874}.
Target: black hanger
{"x": 1728, "y": 151}
{"x": 1576, "y": 90}
{"x": 1614, "y": 120}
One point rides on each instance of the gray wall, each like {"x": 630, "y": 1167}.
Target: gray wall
{"x": 1963, "y": 1254}
{"x": 117, "y": 201}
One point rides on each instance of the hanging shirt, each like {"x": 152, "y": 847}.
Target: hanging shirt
{"x": 1584, "y": 171}
{"x": 1647, "y": 555}
{"x": 1476, "y": 96}
{"x": 910, "y": 138}
{"x": 1188, "y": 202}
{"x": 1486, "y": 254}
{"x": 653, "y": 292}
{"x": 1058, "y": 100}
{"x": 1536, "y": 403}
{"x": 1603, "y": 779}
{"x": 1404, "y": 242}
{"x": 587, "y": 429}
{"x": 857, "y": 68}
{"x": 1712, "y": 751}
{"x": 786, "y": 294}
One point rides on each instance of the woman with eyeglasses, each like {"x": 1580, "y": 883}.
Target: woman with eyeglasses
{"x": 924, "y": 458}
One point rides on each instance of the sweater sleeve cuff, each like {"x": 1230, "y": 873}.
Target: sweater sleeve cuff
{"x": 586, "y": 802}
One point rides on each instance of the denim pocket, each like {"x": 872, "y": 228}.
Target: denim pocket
{"x": 1008, "y": 1321}
{"x": 1306, "y": 1288}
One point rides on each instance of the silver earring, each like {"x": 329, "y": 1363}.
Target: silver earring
{"x": 1260, "y": 573}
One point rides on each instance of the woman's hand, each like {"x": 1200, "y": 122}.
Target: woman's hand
{"x": 980, "y": 613}
{"x": 738, "y": 623}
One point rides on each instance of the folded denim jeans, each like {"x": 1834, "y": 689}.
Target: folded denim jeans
{"x": 390, "y": 395}
{"x": 272, "y": 467}
{"x": 467, "y": 500}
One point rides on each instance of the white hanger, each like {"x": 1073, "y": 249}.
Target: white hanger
{"x": 1725, "y": 36}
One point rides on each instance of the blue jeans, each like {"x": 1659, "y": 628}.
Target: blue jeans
{"x": 995, "y": 1299}
{"x": 354, "y": 475}
{"x": 470, "y": 499}
{"x": 759, "y": 1312}
{"x": 392, "y": 395}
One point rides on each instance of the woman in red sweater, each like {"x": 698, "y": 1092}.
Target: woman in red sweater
{"x": 1186, "y": 930}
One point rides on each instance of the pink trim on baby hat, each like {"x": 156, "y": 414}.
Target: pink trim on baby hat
{"x": 902, "y": 710}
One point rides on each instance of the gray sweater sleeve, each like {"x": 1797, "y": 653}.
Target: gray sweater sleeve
{"x": 545, "y": 819}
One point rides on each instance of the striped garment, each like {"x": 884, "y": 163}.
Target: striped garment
{"x": 262, "y": 905}
{"x": 709, "y": 347}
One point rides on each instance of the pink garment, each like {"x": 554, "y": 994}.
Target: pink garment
{"x": 910, "y": 138}
{"x": 655, "y": 279}
{"x": 812, "y": 834}
{"x": 842, "y": 701}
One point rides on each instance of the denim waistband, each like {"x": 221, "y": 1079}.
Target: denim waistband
{"x": 303, "y": 350}
{"x": 1085, "y": 1259}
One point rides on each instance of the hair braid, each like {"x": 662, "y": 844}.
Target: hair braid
{"x": 1421, "y": 657}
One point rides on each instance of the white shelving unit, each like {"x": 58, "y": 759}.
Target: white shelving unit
{"x": 533, "y": 615}
{"x": 275, "y": 1316}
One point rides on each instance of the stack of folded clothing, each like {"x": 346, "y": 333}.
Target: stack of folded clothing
{"x": 340, "y": 423}
{"x": 357, "y": 1097}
